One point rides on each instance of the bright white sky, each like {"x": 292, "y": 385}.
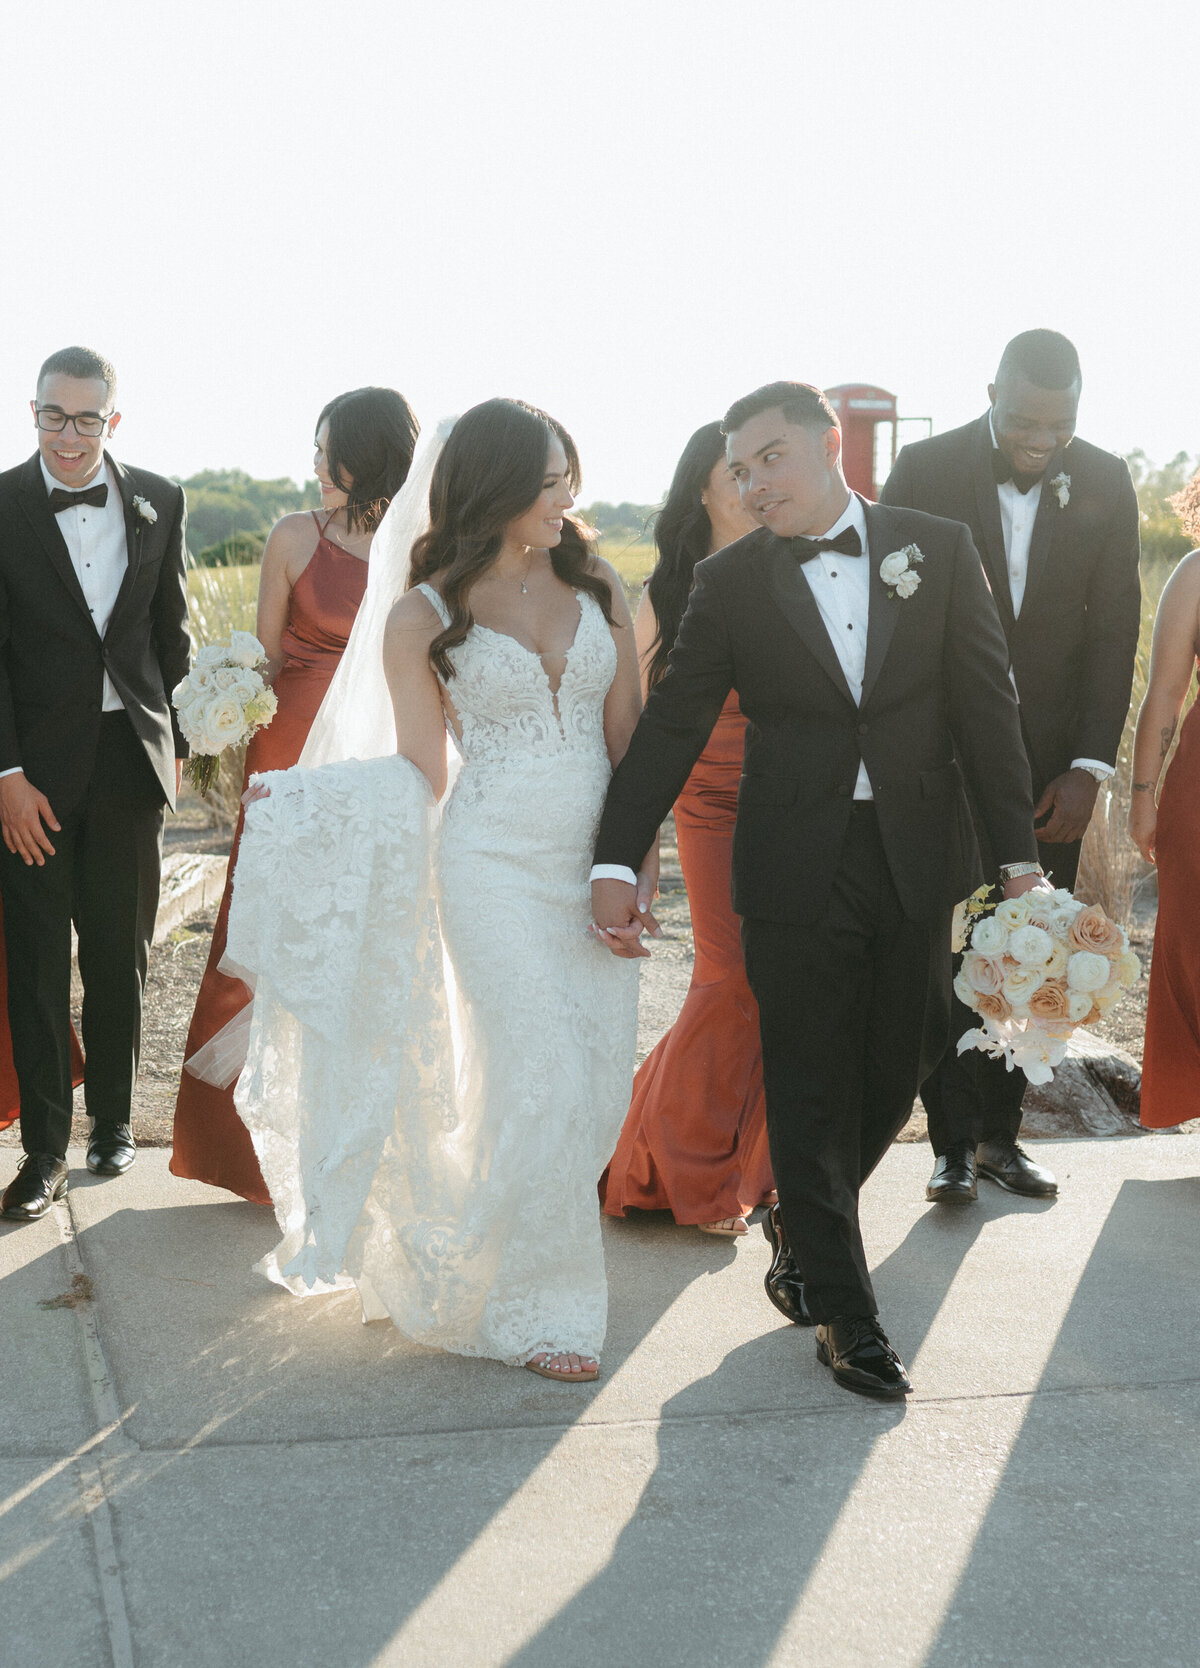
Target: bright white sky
{"x": 628, "y": 213}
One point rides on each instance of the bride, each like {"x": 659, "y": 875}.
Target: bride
{"x": 441, "y": 1052}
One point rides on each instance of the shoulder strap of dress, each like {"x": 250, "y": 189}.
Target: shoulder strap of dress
{"x": 435, "y": 601}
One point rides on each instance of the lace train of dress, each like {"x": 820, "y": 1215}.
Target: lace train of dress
{"x": 454, "y": 1184}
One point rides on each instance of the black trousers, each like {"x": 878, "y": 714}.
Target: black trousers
{"x": 853, "y": 1011}
{"x": 970, "y": 1098}
{"x": 104, "y": 876}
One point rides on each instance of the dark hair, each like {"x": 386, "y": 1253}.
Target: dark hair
{"x": 1186, "y": 504}
{"x": 683, "y": 535}
{"x": 1042, "y": 357}
{"x": 81, "y": 362}
{"x": 800, "y": 403}
{"x": 490, "y": 472}
{"x": 369, "y": 452}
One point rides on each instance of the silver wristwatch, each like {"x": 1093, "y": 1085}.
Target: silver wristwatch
{"x": 1014, "y": 871}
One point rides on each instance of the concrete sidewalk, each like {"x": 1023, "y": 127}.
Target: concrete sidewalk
{"x": 196, "y": 1468}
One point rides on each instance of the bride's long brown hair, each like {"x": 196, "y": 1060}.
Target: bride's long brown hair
{"x": 490, "y": 472}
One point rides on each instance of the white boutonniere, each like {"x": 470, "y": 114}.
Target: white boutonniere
{"x": 144, "y": 508}
{"x": 1061, "y": 484}
{"x": 898, "y": 572}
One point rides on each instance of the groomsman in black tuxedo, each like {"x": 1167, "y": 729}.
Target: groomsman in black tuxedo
{"x": 869, "y": 660}
{"x": 1056, "y": 523}
{"x": 93, "y": 638}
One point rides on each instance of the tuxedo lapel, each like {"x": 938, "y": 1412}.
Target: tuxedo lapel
{"x": 883, "y": 611}
{"x": 794, "y": 596}
{"x": 1044, "y": 524}
{"x": 987, "y": 503}
{"x": 35, "y": 502}
{"x": 133, "y": 533}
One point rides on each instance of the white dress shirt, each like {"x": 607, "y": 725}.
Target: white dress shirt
{"x": 1018, "y": 512}
{"x": 95, "y": 541}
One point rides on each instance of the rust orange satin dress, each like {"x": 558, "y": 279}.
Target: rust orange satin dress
{"x": 695, "y": 1139}
{"x": 211, "y": 1143}
{"x": 10, "y": 1094}
{"x": 1171, "y": 1063}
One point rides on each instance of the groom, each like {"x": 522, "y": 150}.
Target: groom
{"x": 868, "y": 657}
{"x": 93, "y": 637}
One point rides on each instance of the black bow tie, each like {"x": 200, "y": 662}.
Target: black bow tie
{"x": 1004, "y": 471}
{"x": 61, "y": 499}
{"x": 847, "y": 543}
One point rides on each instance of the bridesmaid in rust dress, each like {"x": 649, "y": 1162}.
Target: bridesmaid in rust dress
{"x": 314, "y": 576}
{"x": 1168, "y": 835}
{"x": 695, "y": 1139}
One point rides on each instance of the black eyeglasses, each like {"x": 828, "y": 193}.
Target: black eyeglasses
{"x": 55, "y": 421}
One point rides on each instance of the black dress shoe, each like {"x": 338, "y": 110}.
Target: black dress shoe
{"x": 41, "y": 1179}
{"x": 783, "y": 1282}
{"x": 1004, "y": 1163}
{"x": 110, "y": 1150}
{"x": 856, "y": 1351}
{"x": 953, "y": 1178}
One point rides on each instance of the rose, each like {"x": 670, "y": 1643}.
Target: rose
{"x": 982, "y": 973}
{"x": 1056, "y": 964}
{"x": 907, "y": 583}
{"x": 1079, "y": 1006}
{"x": 991, "y": 1007}
{"x": 1031, "y": 946}
{"x": 1013, "y": 913}
{"x": 1087, "y": 971}
{"x": 1021, "y": 982}
{"x": 211, "y": 655}
{"x": 1092, "y": 930}
{"x": 1128, "y": 968}
{"x": 245, "y": 649}
{"x": 893, "y": 567}
{"x": 144, "y": 508}
{"x": 1050, "y": 1001}
{"x": 224, "y": 722}
{"x": 989, "y": 936}
{"x": 965, "y": 992}
{"x": 1063, "y": 899}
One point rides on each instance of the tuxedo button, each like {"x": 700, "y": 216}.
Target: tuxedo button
{"x": 862, "y": 729}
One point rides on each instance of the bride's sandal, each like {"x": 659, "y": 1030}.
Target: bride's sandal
{"x": 543, "y": 1364}
{"x": 730, "y": 1227}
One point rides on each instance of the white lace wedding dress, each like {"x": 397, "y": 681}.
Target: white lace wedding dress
{"x": 443, "y": 1150}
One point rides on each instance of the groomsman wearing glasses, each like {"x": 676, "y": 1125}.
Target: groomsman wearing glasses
{"x": 1055, "y": 521}
{"x": 93, "y": 638}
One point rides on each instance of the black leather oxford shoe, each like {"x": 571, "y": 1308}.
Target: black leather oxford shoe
{"x": 41, "y": 1179}
{"x": 953, "y": 1178}
{"x": 1006, "y": 1164}
{"x": 110, "y": 1150}
{"x": 856, "y": 1350}
{"x": 783, "y": 1282}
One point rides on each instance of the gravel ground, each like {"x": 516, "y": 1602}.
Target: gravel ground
{"x": 176, "y": 968}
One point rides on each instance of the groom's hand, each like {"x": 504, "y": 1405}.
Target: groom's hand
{"x": 23, "y": 811}
{"x": 617, "y": 922}
{"x": 1062, "y": 814}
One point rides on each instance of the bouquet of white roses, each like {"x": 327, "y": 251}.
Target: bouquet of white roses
{"x": 221, "y": 703}
{"x": 1037, "y": 967}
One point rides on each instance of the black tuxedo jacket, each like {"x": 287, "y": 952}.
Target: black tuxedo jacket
{"x": 1072, "y": 649}
{"x": 53, "y": 659}
{"x": 935, "y": 692}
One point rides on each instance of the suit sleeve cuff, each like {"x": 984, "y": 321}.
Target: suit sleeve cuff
{"x": 13, "y": 770}
{"x": 1093, "y": 764}
{"x": 613, "y": 871}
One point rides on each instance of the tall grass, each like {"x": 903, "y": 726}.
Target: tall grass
{"x": 221, "y": 600}
{"x": 1110, "y": 864}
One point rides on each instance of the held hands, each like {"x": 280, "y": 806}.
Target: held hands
{"x": 23, "y": 811}
{"x": 1026, "y": 883}
{"x": 621, "y": 913}
{"x": 1067, "y": 806}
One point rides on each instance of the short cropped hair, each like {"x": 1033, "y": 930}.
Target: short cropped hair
{"x": 1186, "y": 504}
{"x": 1042, "y": 357}
{"x": 799, "y": 402}
{"x": 84, "y": 363}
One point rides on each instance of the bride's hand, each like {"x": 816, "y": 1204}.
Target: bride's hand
{"x": 256, "y": 790}
{"x": 647, "y": 890}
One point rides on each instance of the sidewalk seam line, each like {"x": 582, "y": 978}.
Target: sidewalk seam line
{"x": 89, "y": 1471}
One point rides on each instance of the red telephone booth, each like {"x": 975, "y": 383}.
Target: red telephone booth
{"x": 868, "y": 419}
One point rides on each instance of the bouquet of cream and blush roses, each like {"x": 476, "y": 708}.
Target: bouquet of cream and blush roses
{"x": 221, "y": 703}
{"x": 1037, "y": 967}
